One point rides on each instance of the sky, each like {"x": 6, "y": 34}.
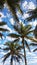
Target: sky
{"x": 6, "y": 16}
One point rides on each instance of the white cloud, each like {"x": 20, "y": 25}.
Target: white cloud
{"x": 25, "y": 15}
{"x": 1, "y": 45}
{"x": 31, "y": 54}
{"x": 0, "y": 19}
{"x": 2, "y": 15}
{"x": 6, "y": 27}
{"x": 24, "y": 4}
{"x": 9, "y": 38}
{"x": 22, "y": 23}
{"x": 28, "y": 5}
{"x": 12, "y": 21}
{"x": 33, "y": 23}
{"x": 31, "y": 5}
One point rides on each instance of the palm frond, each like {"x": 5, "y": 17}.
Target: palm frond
{"x": 28, "y": 32}
{"x": 32, "y": 17}
{"x": 6, "y": 49}
{"x": 6, "y": 56}
{"x": 2, "y": 23}
{"x": 31, "y": 38}
{"x": 12, "y": 6}
{"x": 17, "y": 59}
{"x": 2, "y": 29}
{"x": 1, "y": 35}
{"x": 33, "y": 14}
{"x": 28, "y": 27}
{"x": 35, "y": 32}
{"x": 33, "y": 44}
{"x": 2, "y": 4}
{"x": 16, "y": 40}
{"x": 17, "y": 29}
{"x": 35, "y": 50}
{"x": 19, "y": 9}
{"x": 27, "y": 45}
{"x": 19, "y": 47}
{"x": 11, "y": 63}
{"x": 14, "y": 35}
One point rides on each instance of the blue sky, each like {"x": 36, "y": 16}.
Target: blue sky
{"x": 6, "y": 16}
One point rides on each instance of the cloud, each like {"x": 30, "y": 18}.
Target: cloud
{"x": 0, "y": 19}
{"x": 6, "y": 27}
{"x": 9, "y": 38}
{"x": 24, "y": 4}
{"x": 33, "y": 23}
{"x": 2, "y": 15}
{"x": 12, "y": 21}
{"x": 28, "y": 5}
{"x": 31, "y": 5}
{"x": 25, "y": 15}
{"x": 1, "y": 45}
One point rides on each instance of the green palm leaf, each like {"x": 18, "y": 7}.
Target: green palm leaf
{"x": 28, "y": 27}
{"x": 13, "y": 5}
{"x": 17, "y": 29}
{"x": 28, "y": 32}
{"x": 31, "y": 38}
{"x": 16, "y": 40}
{"x": 33, "y": 44}
{"x": 2, "y": 23}
{"x": 2, "y": 29}
{"x": 35, "y": 32}
{"x": 33, "y": 14}
{"x": 6, "y": 56}
{"x": 14, "y": 35}
{"x": 27, "y": 45}
{"x": 14, "y": 53}
{"x": 1, "y": 35}
{"x": 35, "y": 50}
{"x": 2, "y": 3}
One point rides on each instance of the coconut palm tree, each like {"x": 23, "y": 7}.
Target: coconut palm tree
{"x": 13, "y": 5}
{"x": 12, "y": 50}
{"x": 23, "y": 32}
{"x": 2, "y": 29}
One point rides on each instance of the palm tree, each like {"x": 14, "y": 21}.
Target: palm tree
{"x": 12, "y": 50}
{"x": 2, "y": 29}
{"x": 23, "y": 32}
{"x": 13, "y": 5}
{"x": 33, "y": 14}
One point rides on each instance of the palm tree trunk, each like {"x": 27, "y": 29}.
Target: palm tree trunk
{"x": 24, "y": 52}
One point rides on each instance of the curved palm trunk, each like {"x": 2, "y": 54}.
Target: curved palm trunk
{"x": 24, "y": 52}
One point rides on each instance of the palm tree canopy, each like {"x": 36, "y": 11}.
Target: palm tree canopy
{"x": 23, "y": 31}
{"x": 13, "y": 50}
{"x": 33, "y": 14}
{"x": 13, "y": 5}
